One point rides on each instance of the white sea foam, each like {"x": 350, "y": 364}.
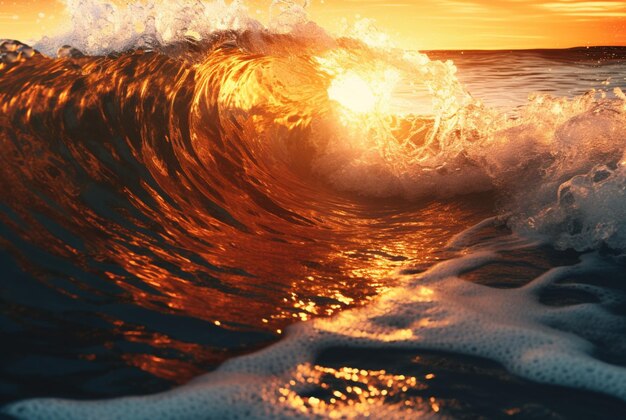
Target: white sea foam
{"x": 436, "y": 310}
{"x": 588, "y": 212}
{"x": 575, "y": 195}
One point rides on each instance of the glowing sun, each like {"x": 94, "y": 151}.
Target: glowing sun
{"x": 353, "y": 93}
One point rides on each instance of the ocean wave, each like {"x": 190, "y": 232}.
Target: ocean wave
{"x": 187, "y": 145}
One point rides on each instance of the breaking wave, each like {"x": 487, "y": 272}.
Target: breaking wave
{"x": 192, "y": 124}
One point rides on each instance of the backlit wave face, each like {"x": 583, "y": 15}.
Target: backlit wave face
{"x": 338, "y": 109}
{"x": 180, "y": 183}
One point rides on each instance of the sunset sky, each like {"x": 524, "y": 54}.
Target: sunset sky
{"x": 422, "y": 25}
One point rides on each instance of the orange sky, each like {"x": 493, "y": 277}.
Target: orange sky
{"x": 422, "y": 25}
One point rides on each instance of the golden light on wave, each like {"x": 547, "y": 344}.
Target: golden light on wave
{"x": 353, "y": 92}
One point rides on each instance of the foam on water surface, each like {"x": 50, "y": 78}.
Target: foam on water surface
{"x": 435, "y": 310}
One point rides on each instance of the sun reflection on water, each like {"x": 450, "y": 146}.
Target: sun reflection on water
{"x": 347, "y": 392}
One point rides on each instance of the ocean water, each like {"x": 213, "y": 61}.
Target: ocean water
{"x": 204, "y": 217}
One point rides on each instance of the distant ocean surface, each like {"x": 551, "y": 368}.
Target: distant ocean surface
{"x": 507, "y": 78}
{"x": 204, "y": 222}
